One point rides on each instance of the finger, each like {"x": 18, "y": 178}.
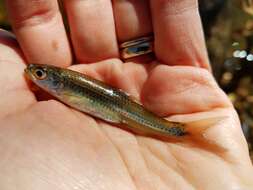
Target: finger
{"x": 132, "y": 19}
{"x": 15, "y": 94}
{"x": 40, "y": 31}
{"x": 178, "y": 33}
{"x": 92, "y": 29}
{"x": 186, "y": 90}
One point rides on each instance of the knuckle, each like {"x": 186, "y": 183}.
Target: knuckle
{"x": 31, "y": 12}
{"x": 204, "y": 77}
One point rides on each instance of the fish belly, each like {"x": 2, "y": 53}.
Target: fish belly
{"x": 96, "y": 107}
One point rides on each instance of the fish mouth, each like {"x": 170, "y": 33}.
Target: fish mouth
{"x": 28, "y": 71}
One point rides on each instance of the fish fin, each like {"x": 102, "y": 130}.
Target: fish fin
{"x": 201, "y": 125}
{"x": 124, "y": 93}
{"x": 196, "y": 131}
{"x": 131, "y": 97}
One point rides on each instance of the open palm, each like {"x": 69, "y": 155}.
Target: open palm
{"x": 47, "y": 145}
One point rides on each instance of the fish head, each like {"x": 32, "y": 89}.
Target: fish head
{"x": 47, "y": 77}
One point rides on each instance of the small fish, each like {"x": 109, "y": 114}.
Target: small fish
{"x": 105, "y": 102}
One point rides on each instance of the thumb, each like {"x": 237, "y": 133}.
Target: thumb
{"x": 182, "y": 89}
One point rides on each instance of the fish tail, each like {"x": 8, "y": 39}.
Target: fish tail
{"x": 201, "y": 125}
{"x": 196, "y": 131}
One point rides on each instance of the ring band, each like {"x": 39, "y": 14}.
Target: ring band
{"x": 137, "y": 47}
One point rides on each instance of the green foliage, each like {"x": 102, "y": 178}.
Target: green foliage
{"x": 3, "y": 17}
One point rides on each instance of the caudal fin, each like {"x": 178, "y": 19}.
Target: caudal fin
{"x": 200, "y": 126}
{"x": 196, "y": 131}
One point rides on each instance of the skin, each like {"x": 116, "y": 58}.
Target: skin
{"x": 47, "y": 145}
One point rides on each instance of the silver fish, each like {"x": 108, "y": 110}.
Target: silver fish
{"x": 105, "y": 102}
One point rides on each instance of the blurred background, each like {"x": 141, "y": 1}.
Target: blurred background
{"x": 228, "y": 26}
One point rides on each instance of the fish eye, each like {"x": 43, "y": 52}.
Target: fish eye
{"x": 40, "y": 74}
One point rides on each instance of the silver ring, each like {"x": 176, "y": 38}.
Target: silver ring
{"x": 137, "y": 47}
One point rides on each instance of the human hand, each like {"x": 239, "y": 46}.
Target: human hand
{"x": 47, "y": 145}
